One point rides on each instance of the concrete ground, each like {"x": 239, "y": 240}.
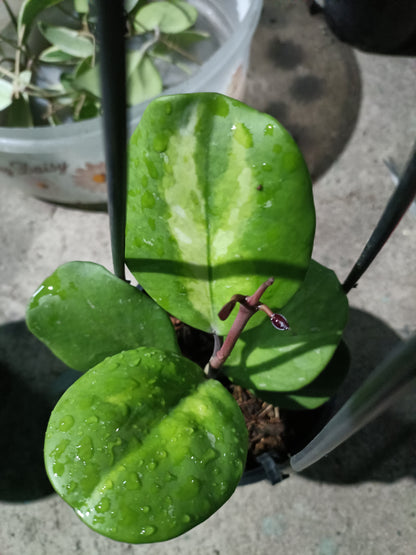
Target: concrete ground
{"x": 349, "y": 112}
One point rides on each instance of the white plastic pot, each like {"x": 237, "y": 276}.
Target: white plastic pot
{"x": 65, "y": 163}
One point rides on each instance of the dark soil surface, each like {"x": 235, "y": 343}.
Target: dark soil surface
{"x": 267, "y": 431}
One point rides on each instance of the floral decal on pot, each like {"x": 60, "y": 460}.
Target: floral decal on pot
{"x": 92, "y": 177}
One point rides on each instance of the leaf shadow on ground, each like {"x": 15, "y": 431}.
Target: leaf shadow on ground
{"x": 30, "y": 380}
{"x": 385, "y": 449}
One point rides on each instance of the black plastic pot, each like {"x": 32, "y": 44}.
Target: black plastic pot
{"x": 379, "y": 26}
{"x": 301, "y": 427}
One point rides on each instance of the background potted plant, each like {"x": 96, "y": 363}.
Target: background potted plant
{"x": 49, "y": 75}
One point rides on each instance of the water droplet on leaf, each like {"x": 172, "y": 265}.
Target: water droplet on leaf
{"x": 103, "y": 506}
{"x": 132, "y": 481}
{"x": 151, "y": 168}
{"x": 60, "y": 448}
{"x": 85, "y": 449}
{"x": 242, "y": 135}
{"x": 268, "y": 130}
{"x": 66, "y": 423}
{"x": 91, "y": 419}
{"x": 58, "y": 469}
{"x": 148, "y": 530}
{"x": 160, "y": 142}
{"x": 147, "y": 200}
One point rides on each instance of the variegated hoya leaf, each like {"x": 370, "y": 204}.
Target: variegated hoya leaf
{"x": 219, "y": 200}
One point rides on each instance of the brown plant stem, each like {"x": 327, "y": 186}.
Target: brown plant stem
{"x": 248, "y": 307}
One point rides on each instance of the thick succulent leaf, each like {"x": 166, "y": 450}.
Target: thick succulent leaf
{"x": 130, "y": 5}
{"x": 167, "y": 17}
{"x": 143, "y": 78}
{"x": 67, "y": 40}
{"x": 266, "y": 359}
{"x": 91, "y": 108}
{"x": 81, "y": 6}
{"x": 28, "y": 12}
{"x": 83, "y": 313}
{"x": 6, "y": 93}
{"x": 19, "y": 113}
{"x": 318, "y": 392}
{"x": 143, "y": 447}
{"x": 188, "y": 9}
{"x": 54, "y": 55}
{"x": 87, "y": 80}
{"x": 219, "y": 200}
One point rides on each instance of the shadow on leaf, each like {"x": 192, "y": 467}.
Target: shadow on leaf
{"x": 203, "y": 272}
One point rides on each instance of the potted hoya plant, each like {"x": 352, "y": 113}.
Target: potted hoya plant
{"x": 185, "y": 369}
{"x": 148, "y": 443}
{"x": 50, "y": 99}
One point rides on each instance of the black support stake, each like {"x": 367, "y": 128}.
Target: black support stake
{"x": 396, "y": 207}
{"x": 112, "y": 61}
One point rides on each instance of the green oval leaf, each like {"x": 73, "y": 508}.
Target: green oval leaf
{"x": 143, "y": 78}
{"x": 319, "y": 391}
{"x": 81, "y": 6}
{"x": 188, "y": 9}
{"x": 266, "y": 359}
{"x": 87, "y": 79}
{"x": 168, "y": 17}
{"x": 83, "y": 313}
{"x": 143, "y": 447}
{"x": 130, "y": 5}
{"x": 67, "y": 40}
{"x": 28, "y": 12}
{"x": 6, "y": 93}
{"x": 54, "y": 55}
{"x": 219, "y": 200}
{"x": 19, "y": 113}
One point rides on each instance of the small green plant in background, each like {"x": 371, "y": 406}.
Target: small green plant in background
{"x": 49, "y": 68}
{"x": 144, "y": 445}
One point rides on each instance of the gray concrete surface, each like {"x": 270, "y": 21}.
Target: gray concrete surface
{"x": 362, "y": 498}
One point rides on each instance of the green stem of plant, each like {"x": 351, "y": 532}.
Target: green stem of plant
{"x": 11, "y": 43}
{"x": 78, "y": 106}
{"x": 31, "y": 89}
{"x": 17, "y": 59}
{"x": 179, "y": 50}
